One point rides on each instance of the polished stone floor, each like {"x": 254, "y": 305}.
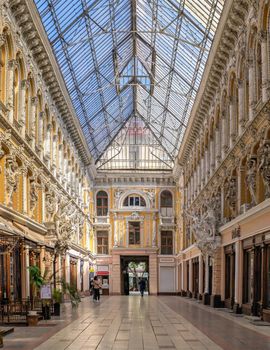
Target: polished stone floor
{"x": 142, "y": 323}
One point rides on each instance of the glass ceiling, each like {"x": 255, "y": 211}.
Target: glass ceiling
{"x": 132, "y": 67}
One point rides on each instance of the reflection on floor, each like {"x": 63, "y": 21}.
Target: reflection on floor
{"x": 124, "y": 322}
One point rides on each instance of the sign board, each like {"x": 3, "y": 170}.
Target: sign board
{"x": 46, "y": 292}
{"x": 103, "y": 268}
{"x": 102, "y": 273}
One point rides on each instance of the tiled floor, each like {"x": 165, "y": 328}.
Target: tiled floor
{"x": 143, "y": 323}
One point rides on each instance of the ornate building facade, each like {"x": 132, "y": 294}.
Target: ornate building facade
{"x": 139, "y": 222}
{"x": 44, "y": 187}
{"x": 225, "y": 156}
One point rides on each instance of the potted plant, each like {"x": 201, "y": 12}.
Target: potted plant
{"x": 36, "y": 280}
{"x": 57, "y": 298}
{"x": 72, "y": 292}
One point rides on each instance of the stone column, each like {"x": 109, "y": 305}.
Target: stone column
{"x": 43, "y": 212}
{"x": 238, "y": 277}
{"x": 212, "y": 155}
{"x": 60, "y": 155}
{"x": 200, "y": 275}
{"x": 27, "y": 274}
{"x": 182, "y": 276}
{"x": 86, "y": 275}
{"x": 40, "y": 131}
{"x": 199, "y": 177}
{"x": 67, "y": 268}
{"x": 115, "y": 281}
{"x": 58, "y": 271}
{"x": 54, "y": 154}
{"x": 42, "y": 260}
{"x": 216, "y": 279}
{"x": 202, "y": 173}
{"x": 233, "y": 115}
{"x": 206, "y": 282}
{"x": 265, "y": 62}
{"x": 24, "y": 171}
{"x": 241, "y": 106}
{"x": 154, "y": 233}
{"x": 79, "y": 274}
{"x": 252, "y": 86}
{"x": 224, "y": 135}
{"x": 47, "y": 151}
{"x": 206, "y": 162}
{"x": 22, "y": 111}
{"x": 10, "y": 89}
{"x": 217, "y": 147}
{"x": 32, "y": 121}
{"x": 115, "y": 233}
{"x": 153, "y": 274}
{"x": 190, "y": 277}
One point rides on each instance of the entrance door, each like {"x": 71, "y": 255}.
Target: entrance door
{"x": 257, "y": 292}
{"x": 133, "y": 268}
{"x": 229, "y": 276}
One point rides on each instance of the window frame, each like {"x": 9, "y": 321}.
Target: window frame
{"x": 102, "y": 207}
{"x": 104, "y": 247}
{"x": 134, "y": 233}
{"x": 134, "y": 198}
{"x": 166, "y": 249}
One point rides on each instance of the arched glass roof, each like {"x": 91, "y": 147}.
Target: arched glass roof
{"x": 128, "y": 63}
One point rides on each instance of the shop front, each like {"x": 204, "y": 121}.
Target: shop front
{"x": 103, "y": 274}
{"x": 256, "y": 276}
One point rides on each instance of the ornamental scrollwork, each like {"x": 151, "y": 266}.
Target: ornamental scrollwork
{"x": 204, "y": 229}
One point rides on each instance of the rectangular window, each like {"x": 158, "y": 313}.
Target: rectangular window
{"x": 102, "y": 242}
{"x": 134, "y": 232}
{"x": 166, "y": 242}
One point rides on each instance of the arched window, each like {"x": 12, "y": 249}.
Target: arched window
{"x": 166, "y": 203}
{"x": 102, "y": 203}
{"x": 134, "y": 200}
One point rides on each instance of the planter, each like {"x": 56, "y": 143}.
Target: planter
{"x": 32, "y": 320}
{"x": 57, "y": 308}
{"x": 46, "y": 312}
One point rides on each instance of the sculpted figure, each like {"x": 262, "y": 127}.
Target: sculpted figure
{"x": 33, "y": 194}
{"x": 12, "y": 177}
{"x": 264, "y": 167}
{"x": 50, "y": 204}
{"x": 251, "y": 179}
{"x": 231, "y": 195}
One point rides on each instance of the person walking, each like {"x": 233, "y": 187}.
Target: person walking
{"x": 91, "y": 287}
{"x": 96, "y": 288}
{"x": 142, "y": 286}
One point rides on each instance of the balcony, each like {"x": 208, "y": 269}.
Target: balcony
{"x": 102, "y": 220}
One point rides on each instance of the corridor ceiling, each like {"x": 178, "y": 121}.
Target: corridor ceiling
{"x": 132, "y": 69}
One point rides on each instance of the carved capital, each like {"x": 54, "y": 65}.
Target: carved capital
{"x": 12, "y": 64}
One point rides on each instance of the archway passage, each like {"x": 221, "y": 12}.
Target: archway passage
{"x": 133, "y": 268}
